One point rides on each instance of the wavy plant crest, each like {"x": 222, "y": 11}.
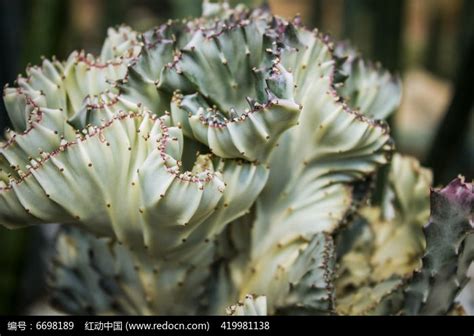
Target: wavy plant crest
{"x": 223, "y": 159}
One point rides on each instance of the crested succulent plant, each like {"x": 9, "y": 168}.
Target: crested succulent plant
{"x": 228, "y": 158}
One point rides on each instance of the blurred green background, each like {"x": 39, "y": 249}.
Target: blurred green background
{"x": 429, "y": 43}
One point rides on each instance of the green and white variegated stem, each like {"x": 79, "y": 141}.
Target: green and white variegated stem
{"x": 98, "y": 276}
{"x": 211, "y": 158}
{"x": 42, "y": 87}
{"x": 45, "y": 105}
{"x": 365, "y": 86}
{"x": 166, "y": 209}
{"x": 251, "y": 305}
{"x": 311, "y": 280}
{"x": 64, "y": 86}
{"x": 311, "y": 171}
{"x": 143, "y": 83}
{"x": 121, "y": 42}
{"x": 228, "y": 89}
{"x": 48, "y": 130}
{"x": 384, "y": 245}
{"x": 243, "y": 108}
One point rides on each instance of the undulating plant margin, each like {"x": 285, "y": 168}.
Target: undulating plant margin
{"x": 222, "y": 156}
